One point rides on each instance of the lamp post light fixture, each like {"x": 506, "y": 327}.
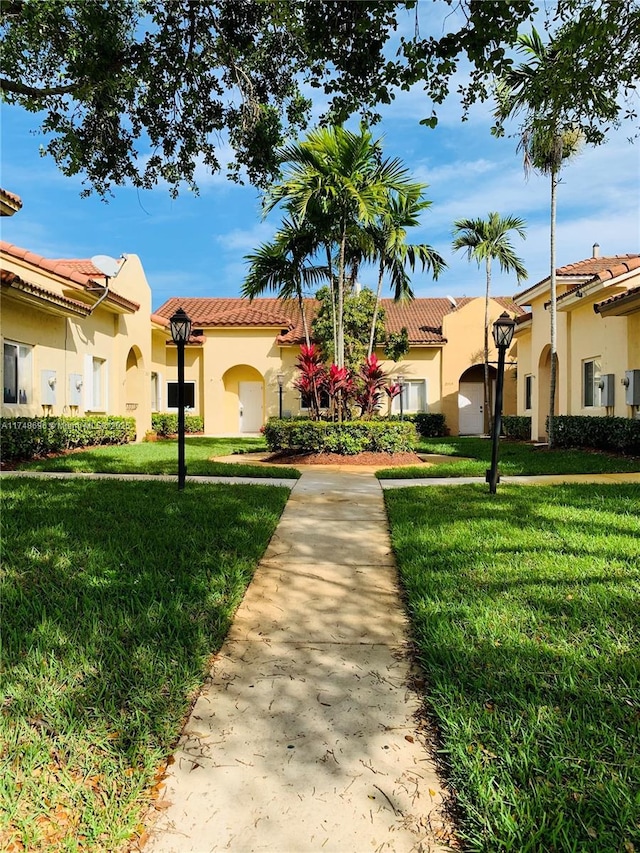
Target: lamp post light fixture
{"x": 503, "y": 329}
{"x": 180, "y": 326}
{"x": 280, "y": 378}
{"x": 400, "y": 381}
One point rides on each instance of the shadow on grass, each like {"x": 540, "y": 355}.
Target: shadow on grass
{"x": 114, "y": 596}
{"x": 525, "y": 609}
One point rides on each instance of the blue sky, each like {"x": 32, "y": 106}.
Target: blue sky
{"x": 194, "y": 246}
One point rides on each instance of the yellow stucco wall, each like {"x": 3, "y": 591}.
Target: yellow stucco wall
{"x": 582, "y": 335}
{"x": 63, "y": 346}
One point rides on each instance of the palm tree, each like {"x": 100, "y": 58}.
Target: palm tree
{"x": 388, "y": 240}
{"x": 283, "y": 266}
{"x": 488, "y": 240}
{"x": 546, "y": 141}
{"x": 337, "y": 178}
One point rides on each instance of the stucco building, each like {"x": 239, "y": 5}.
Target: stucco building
{"x": 598, "y": 341}
{"x": 238, "y": 348}
{"x": 74, "y": 342}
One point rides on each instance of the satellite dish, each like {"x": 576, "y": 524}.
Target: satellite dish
{"x": 107, "y": 265}
{"x": 453, "y": 302}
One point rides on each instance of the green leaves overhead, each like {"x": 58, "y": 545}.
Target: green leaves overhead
{"x": 144, "y": 91}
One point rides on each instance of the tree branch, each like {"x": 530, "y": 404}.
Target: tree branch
{"x": 17, "y": 88}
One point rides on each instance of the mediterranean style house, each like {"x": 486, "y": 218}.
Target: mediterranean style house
{"x": 598, "y": 341}
{"x": 77, "y": 342}
{"x": 240, "y": 351}
{"x": 72, "y": 343}
{"x": 79, "y": 337}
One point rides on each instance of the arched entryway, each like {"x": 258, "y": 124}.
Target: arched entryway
{"x": 133, "y": 380}
{"x": 472, "y": 418}
{"x": 243, "y": 399}
{"x": 544, "y": 391}
{"x": 134, "y": 390}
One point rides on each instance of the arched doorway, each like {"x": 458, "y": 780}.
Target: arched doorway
{"x": 544, "y": 391}
{"x": 134, "y": 391}
{"x": 472, "y": 418}
{"x": 243, "y": 399}
{"x": 133, "y": 380}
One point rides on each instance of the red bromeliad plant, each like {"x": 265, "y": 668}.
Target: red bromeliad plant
{"x": 313, "y": 377}
{"x": 372, "y": 379}
{"x": 392, "y": 390}
{"x": 341, "y": 388}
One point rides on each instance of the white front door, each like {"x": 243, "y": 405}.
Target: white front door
{"x": 250, "y": 397}
{"x": 470, "y": 408}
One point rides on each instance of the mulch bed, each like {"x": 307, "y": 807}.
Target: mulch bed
{"x": 381, "y": 460}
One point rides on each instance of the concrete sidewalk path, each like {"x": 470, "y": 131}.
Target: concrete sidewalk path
{"x": 307, "y": 736}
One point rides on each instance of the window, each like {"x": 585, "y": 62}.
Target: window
{"x": 414, "y": 397}
{"x": 590, "y": 382}
{"x": 17, "y": 373}
{"x": 99, "y": 385}
{"x": 528, "y": 391}
{"x": 324, "y": 400}
{"x": 189, "y": 395}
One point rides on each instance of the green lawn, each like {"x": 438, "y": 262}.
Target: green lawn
{"x": 113, "y": 598}
{"x": 161, "y": 457}
{"x": 515, "y": 458}
{"x": 525, "y": 609}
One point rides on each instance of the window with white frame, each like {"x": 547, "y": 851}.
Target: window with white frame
{"x": 155, "y": 392}
{"x": 528, "y": 391}
{"x": 17, "y": 373}
{"x": 414, "y": 397}
{"x": 590, "y": 382}
{"x": 189, "y": 395}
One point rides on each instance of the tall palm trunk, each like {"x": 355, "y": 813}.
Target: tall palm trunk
{"x": 332, "y": 290}
{"x": 487, "y": 395}
{"x": 341, "y": 273}
{"x": 374, "y": 321}
{"x": 553, "y": 313}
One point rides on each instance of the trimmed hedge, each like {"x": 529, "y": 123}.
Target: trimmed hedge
{"x": 617, "y": 435}
{"x": 347, "y": 438}
{"x": 428, "y": 424}
{"x": 431, "y": 425}
{"x": 24, "y": 438}
{"x": 517, "y": 426}
{"x": 166, "y": 423}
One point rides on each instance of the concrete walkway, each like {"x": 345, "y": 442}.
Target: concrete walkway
{"x": 307, "y": 735}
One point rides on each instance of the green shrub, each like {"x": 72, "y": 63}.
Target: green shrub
{"x": 25, "y": 438}
{"x": 347, "y": 438}
{"x": 431, "y": 424}
{"x": 166, "y": 423}
{"x": 617, "y": 435}
{"x": 517, "y": 426}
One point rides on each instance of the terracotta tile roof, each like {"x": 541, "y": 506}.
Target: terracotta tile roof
{"x": 10, "y": 279}
{"x": 591, "y": 269}
{"x": 421, "y": 317}
{"x": 631, "y": 292}
{"x": 78, "y": 271}
{"x": 524, "y": 318}
{"x": 11, "y": 201}
{"x": 219, "y": 311}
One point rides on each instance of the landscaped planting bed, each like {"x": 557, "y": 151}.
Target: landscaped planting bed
{"x": 525, "y": 610}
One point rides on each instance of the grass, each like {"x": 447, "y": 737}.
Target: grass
{"x": 113, "y": 598}
{"x": 515, "y": 458}
{"x": 525, "y": 610}
{"x": 161, "y": 457}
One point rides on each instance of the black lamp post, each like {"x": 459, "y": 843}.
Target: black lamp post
{"x": 180, "y": 325}
{"x": 502, "y": 335}
{"x": 400, "y": 381}
{"x": 280, "y": 378}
